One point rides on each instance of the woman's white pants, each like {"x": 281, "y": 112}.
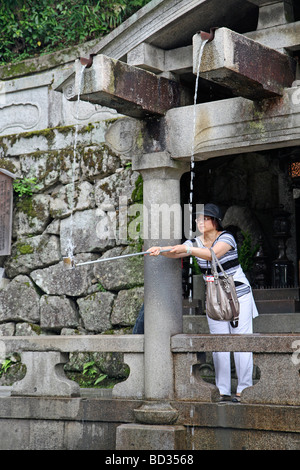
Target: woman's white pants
{"x": 243, "y": 360}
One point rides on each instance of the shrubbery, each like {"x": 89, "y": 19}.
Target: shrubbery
{"x": 33, "y": 27}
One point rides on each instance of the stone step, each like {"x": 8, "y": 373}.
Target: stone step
{"x": 264, "y": 323}
{"x": 268, "y": 300}
{"x": 278, "y": 306}
{"x": 290, "y": 293}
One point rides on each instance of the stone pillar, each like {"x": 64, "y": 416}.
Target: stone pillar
{"x": 163, "y": 308}
{"x": 163, "y": 277}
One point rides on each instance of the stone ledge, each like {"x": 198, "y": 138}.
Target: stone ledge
{"x": 66, "y": 408}
{"x": 266, "y": 343}
{"x": 260, "y": 343}
{"x": 72, "y": 343}
{"x": 242, "y": 416}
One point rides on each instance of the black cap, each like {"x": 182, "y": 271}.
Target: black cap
{"x": 211, "y": 210}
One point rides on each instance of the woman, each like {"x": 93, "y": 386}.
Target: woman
{"x": 224, "y": 245}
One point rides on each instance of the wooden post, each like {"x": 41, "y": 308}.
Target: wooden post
{"x": 6, "y": 206}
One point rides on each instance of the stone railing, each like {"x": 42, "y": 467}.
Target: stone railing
{"x": 276, "y": 355}
{"x": 44, "y": 357}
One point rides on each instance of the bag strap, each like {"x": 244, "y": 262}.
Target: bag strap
{"x": 214, "y": 263}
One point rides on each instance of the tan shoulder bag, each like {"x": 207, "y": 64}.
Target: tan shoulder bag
{"x": 221, "y": 300}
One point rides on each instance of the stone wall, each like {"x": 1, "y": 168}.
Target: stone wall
{"x": 80, "y": 197}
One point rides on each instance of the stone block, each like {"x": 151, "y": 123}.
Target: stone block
{"x": 85, "y": 228}
{"x": 278, "y": 306}
{"x": 264, "y": 323}
{"x": 277, "y": 323}
{"x": 32, "y": 253}
{"x": 245, "y": 66}
{"x": 124, "y": 273}
{"x": 27, "y": 329}
{"x": 45, "y": 376}
{"x": 189, "y": 386}
{"x": 129, "y": 90}
{"x": 56, "y": 280}
{"x": 19, "y": 301}
{"x": 127, "y": 306}
{"x": 279, "y": 382}
{"x": 133, "y": 387}
{"x": 235, "y": 125}
{"x": 7, "y": 329}
{"x": 282, "y": 38}
{"x": 77, "y": 197}
{"x": 147, "y": 57}
{"x": 45, "y": 166}
{"x": 273, "y": 13}
{"x": 150, "y": 437}
{"x": 109, "y": 190}
{"x": 25, "y": 110}
{"x": 32, "y": 215}
{"x": 98, "y": 161}
{"x": 95, "y": 311}
{"x": 57, "y": 313}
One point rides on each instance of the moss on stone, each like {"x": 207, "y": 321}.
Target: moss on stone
{"x": 137, "y": 193}
{"x": 24, "y": 249}
{"x": 6, "y": 164}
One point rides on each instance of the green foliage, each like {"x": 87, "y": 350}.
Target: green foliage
{"x": 100, "y": 287}
{"x": 246, "y": 252}
{"x": 31, "y": 27}
{"x": 5, "y": 366}
{"x": 94, "y": 377}
{"x": 25, "y": 186}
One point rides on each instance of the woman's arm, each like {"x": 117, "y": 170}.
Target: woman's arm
{"x": 174, "y": 253}
{"x": 182, "y": 251}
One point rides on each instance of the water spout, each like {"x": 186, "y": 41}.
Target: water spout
{"x": 87, "y": 62}
{"x": 208, "y": 36}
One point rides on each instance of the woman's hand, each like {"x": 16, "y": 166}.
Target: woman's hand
{"x": 179, "y": 250}
{"x": 154, "y": 250}
{"x": 176, "y": 251}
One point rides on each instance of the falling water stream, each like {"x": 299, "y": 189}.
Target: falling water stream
{"x": 191, "y": 197}
{"x": 70, "y": 244}
{"x": 192, "y": 173}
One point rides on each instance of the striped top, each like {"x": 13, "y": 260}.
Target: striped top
{"x": 229, "y": 261}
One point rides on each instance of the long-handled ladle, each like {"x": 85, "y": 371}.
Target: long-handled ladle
{"x": 70, "y": 262}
